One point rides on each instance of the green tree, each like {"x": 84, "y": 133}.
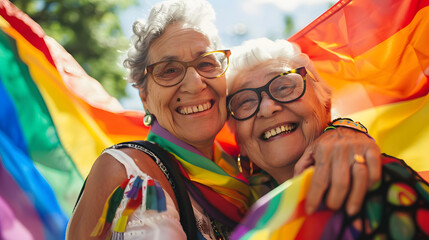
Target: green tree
{"x": 89, "y": 30}
{"x": 289, "y": 25}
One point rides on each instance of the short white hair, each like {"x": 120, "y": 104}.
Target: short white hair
{"x": 196, "y": 14}
{"x": 256, "y": 51}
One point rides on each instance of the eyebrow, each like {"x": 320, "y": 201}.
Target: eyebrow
{"x": 175, "y": 58}
{"x": 269, "y": 75}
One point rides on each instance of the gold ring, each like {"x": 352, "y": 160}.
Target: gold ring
{"x": 359, "y": 159}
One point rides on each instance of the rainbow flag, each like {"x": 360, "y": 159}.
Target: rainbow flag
{"x": 393, "y": 209}
{"x": 54, "y": 122}
{"x": 375, "y": 55}
{"x": 55, "y": 119}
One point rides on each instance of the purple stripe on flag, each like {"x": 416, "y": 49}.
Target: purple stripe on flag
{"x": 16, "y": 211}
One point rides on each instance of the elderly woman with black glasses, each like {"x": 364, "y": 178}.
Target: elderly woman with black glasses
{"x": 280, "y": 106}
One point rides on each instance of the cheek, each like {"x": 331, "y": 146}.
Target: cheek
{"x": 248, "y": 143}
{"x": 158, "y": 100}
{"x": 219, "y": 86}
{"x": 315, "y": 120}
{"x": 243, "y": 131}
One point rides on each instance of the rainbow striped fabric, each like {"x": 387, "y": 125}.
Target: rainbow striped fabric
{"x": 396, "y": 208}
{"x": 375, "y": 55}
{"x": 54, "y": 122}
{"x": 55, "y": 119}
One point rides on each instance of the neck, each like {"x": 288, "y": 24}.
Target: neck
{"x": 281, "y": 175}
{"x": 206, "y": 149}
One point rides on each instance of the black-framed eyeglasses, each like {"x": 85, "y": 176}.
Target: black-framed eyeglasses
{"x": 209, "y": 65}
{"x": 283, "y": 88}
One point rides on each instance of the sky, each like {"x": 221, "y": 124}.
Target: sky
{"x": 237, "y": 21}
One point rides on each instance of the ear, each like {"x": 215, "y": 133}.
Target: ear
{"x": 143, "y": 98}
{"x": 240, "y": 146}
{"x": 243, "y": 151}
{"x": 328, "y": 111}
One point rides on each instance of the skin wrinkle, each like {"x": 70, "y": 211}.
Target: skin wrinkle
{"x": 185, "y": 44}
{"x": 305, "y": 112}
{"x": 285, "y": 153}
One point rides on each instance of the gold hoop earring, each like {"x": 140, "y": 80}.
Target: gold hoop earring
{"x": 239, "y": 164}
{"x": 245, "y": 166}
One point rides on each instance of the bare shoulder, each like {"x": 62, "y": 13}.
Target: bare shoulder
{"x": 105, "y": 175}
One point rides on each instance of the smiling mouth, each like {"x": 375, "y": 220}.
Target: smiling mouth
{"x": 195, "y": 109}
{"x": 283, "y": 129}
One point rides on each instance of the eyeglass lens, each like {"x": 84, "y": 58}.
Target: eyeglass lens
{"x": 283, "y": 89}
{"x": 170, "y": 73}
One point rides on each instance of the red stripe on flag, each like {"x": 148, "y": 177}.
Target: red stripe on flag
{"x": 349, "y": 23}
{"x": 29, "y": 29}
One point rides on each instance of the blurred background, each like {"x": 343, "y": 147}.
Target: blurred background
{"x": 96, "y": 32}
{"x": 55, "y": 121}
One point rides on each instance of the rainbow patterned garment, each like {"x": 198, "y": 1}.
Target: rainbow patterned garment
{"x": 55, "y": 119}
{"x": 395, "y": 208}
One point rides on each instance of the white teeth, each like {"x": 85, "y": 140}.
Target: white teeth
{"x": 278, "y": 130}
{"x": 195, "y": 109}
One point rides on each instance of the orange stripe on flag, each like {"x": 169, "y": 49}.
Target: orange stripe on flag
{"x": 375, "y": 55}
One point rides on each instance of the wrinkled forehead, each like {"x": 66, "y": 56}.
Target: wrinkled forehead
{"x": 257, "y": 75}
{"x": 178, "y": 41}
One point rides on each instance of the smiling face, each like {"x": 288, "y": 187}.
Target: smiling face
{"x": 277, "y": 135}
{"x": 194, "y": 110}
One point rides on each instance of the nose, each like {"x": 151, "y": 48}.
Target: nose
{"x": 268, "y": 106}
{"x": 192, "y": 81}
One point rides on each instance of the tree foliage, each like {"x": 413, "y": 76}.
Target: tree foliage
{"x": 289, "y": 25}
{"x": 90, "y": 31}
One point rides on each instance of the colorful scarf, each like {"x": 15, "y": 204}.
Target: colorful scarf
{"x": 212, "y": 183}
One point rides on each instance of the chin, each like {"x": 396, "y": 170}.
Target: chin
{"x": 283, "y": 163}
{"x": 203, "y": 132}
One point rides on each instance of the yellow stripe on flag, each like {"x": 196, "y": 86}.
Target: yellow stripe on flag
{"x": 78, "y": 132}
{"x": 391, "y": 71}
{"x": 401, "y": 130}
